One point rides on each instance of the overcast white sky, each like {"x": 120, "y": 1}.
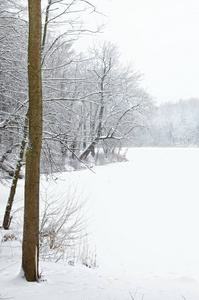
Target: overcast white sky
{"x": 162, "y": 38}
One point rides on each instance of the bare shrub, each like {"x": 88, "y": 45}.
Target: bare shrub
{"x": 63, "y": 226}
{"x": 134, "y": 297}
{"x": 88, "y": 256}
{"x": 102, "y": 156}
{"x": 110, "y": 155}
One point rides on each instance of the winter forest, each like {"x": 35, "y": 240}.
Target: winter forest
{"x": 76, "y": 126}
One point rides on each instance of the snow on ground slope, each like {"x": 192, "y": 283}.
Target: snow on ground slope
{"x": 144, "y": 224}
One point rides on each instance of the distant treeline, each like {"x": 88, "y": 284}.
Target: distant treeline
{"x": 173, "y": 125}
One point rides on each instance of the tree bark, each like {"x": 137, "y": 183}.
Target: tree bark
{"x": 30, "y": 248}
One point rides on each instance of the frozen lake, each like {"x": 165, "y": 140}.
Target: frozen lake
{"x": 144, "y": 224}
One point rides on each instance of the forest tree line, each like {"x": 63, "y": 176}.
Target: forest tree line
{"x": 93, "y": 104}
{"x": 91, "y": 100}
{"x": 173, "y": 125}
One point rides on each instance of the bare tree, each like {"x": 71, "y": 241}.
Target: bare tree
{"x": 121, "y": 103}
{"x": 7, "y": 216}
{"x": 30, "y": 249}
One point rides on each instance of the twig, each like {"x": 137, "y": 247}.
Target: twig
{"x": 131, "y": 296}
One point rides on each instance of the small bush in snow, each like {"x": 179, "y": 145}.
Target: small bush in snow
{"x": 62, "y": 227}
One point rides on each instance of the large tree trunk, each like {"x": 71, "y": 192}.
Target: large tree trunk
{"x": 30, "y": 249}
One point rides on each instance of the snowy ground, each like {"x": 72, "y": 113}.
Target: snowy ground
{"x": 145, "y": 227}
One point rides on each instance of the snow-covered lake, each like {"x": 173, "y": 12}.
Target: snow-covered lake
{"x": 144, "y": 224}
